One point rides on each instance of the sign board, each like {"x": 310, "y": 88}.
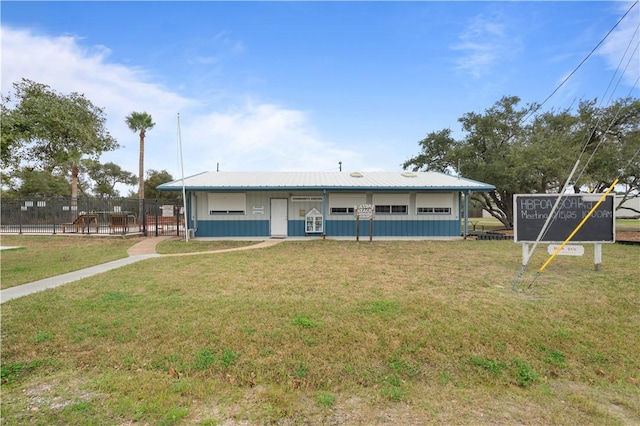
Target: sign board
{"x": 530, "y": 211}
{"x": 306, "y": 198}
{"x": 568, "y": 250}
{"x": 167, "y": 210}
{"x": 364, "y": 211}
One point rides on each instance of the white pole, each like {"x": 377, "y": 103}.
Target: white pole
{"x": 184, "y": 195}
{"x": 597, "y": 255}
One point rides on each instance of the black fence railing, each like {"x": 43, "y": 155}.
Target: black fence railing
{"x": 113, "y": 216}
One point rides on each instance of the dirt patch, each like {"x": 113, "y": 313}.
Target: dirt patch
{"x": 628, "y": 236}
{"x": 54, "y": 395}
{"x": 617, "y": 406}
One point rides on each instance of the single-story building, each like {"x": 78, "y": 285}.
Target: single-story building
{"x": 281, "y": 204}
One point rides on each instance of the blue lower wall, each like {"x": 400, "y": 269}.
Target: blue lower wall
{"x": 233, "y": 228}
{"x": 333, "y": 228}
{"x": 296, "y": 228}
{"x": 395, "y": 228}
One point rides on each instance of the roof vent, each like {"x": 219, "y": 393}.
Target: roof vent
{"x": 409, "y": 174}
{"x": 356, "y": 174}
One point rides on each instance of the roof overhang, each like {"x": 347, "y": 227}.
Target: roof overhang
{"x": 326, "y": 181}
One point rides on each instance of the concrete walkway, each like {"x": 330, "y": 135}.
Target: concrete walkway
{"x": 145, "y": 249}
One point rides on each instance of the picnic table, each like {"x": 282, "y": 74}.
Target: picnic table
{"x": 82, "y": 221}
{"x": 122, "y": 221}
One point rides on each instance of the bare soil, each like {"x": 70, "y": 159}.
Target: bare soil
{"x": 628, "y": 236}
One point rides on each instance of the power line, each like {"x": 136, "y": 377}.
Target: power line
{"x": 534, "y": 110}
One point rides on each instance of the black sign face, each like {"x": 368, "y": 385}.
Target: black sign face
{"x": 531, "y": 211}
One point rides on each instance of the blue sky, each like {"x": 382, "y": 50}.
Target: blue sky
{"x": 273, "y": 86}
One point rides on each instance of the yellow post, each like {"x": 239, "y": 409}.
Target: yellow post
{"x": 578, "y": 227}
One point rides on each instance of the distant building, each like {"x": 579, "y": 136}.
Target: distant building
{"x": 629, "y": 209}
{"x": 296, "y": 204}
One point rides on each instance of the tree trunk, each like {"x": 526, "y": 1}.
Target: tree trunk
{"x": 74, "y": 191}
{"x": 141, "y": 174}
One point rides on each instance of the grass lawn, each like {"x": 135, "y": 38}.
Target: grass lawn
{"x": 45, "y": 256}
{"x": 332, "y": 332}
{"x": 176, "y": 245}
{"x": 491, "y": 224}
{"x": 628, "y": 224}
{"x": 41, "y": 257}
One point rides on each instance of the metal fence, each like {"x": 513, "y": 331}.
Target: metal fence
{"x": 114, "y": 216}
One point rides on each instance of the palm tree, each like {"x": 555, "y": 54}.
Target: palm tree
{"x": 140, "y": 122}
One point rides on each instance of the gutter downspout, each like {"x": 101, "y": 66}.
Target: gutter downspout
{"x": 466, "y": 213}
{"x": 324, "y": 214}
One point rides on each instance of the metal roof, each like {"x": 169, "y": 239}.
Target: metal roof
{"x": 289, "y": 181}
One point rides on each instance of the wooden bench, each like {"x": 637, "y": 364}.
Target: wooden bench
{"x": 121, "y": 222}
{"x": 164, "y": 220}
{"x": 82, "y": 221}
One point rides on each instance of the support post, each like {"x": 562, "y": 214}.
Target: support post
{"x": 597, "y": 255}
{"x": 466, "y": 213}
{"x": 525, "y": 254}
{"x": 324, "y": 214}
{"x": 371, "y": 229}
{"x": 54, "y": 211}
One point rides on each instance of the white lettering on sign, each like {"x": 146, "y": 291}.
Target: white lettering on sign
{"x": 364, "y": 211}
{"x": 167, "y": 210}
{"x": 305, "y": 198}
{"x": 539, "y": 209}
{"x": 568, "y": 250}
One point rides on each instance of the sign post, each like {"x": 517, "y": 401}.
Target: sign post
{"x": 364, "y": 211}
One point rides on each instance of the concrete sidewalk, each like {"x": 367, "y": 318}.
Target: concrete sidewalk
{"x": 145, "y": 249}
{"x": 52, "y": 282}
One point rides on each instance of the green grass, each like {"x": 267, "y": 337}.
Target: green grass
{"x": 40, "y": 257}
{"x": 45, "y": 256}
{"x": 332, "y": 332}
{"x": 628, "y": 224}
{"x": 492, "y": 224}
{"x": 175, "y": 246}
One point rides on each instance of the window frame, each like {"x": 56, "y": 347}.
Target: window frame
{"x": 433, "y": 211}
{"x": 347, "y": 201}
{"x": 348, "y": 211}
{"x": 224, "y": 204}
{"x": 392, "y": 209}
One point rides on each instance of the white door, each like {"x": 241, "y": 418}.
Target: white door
{"x": 279, "y": 217}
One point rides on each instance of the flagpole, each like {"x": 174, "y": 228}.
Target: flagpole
{"x": 184, "y": 194}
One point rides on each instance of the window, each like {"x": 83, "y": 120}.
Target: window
{"x": 391, "y": 203}
{"x": 226, "y": 211}
{"x": 434, "y": 210}
{"x": 392, "y": 209}
{"x": 399, "y": 209}
{"x": 438, "y": 203}
{"x": 342, "y": 210}
{"x": 226, "y": 204}
{"x": 344, "y": 204}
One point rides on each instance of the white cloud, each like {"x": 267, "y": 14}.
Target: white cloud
{"x": 253, "y": 136}
{"x": 66, "y": 66}
{"x": 482, "y": 44}
{"x": 259, "y": 137}
{"x": 621, "y": 48}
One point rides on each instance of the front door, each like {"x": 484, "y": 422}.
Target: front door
{"x": 279, "y": 217}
